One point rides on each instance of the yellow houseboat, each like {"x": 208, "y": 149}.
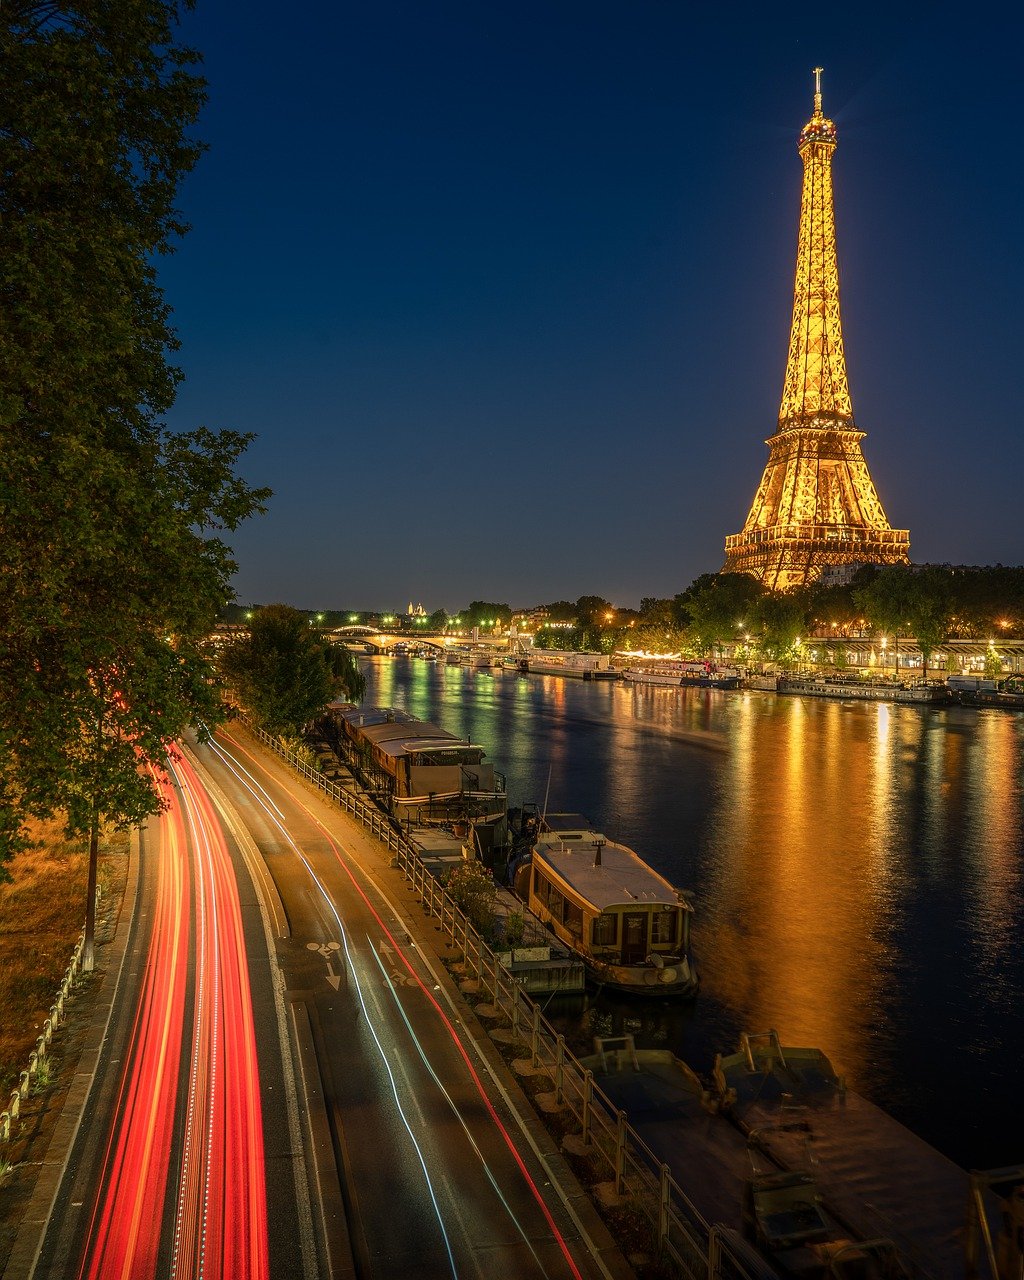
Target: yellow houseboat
{"x": 629, "y": 925}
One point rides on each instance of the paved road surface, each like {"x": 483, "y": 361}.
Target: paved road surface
{"x": 287, "y": 1086}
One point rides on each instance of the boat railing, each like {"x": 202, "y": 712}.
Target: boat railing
{"x": 698, "y": 1250}
{"x": 746, "y": 1048}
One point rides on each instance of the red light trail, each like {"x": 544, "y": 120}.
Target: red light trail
{"x": 216, "y": 1181}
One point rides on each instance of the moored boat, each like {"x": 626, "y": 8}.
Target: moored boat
{"x": 629, "y": 925}
{"x": 564, "y": 662}
{"x": 702, "y": 675}
{"x": 848, "y": 687}
{"x": 980, "y": 691}
{"x": 421, "y": 773}
{"x": 787, "y": 1161}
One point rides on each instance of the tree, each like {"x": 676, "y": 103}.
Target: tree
{"x": 930, "y": 610}
{"x": 779, "y": 617}
{"x": 481, "y": 613}
{"x": 438, "y": 620}
{"x": 718, "y": 606}
{"x": 886, "y": 602}
{"x": 285, "y": 671}
{"x": 113, "y": 565}
{"x": 560, "y": 611}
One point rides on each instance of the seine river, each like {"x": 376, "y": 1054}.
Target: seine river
{"x": 858, "y": 872}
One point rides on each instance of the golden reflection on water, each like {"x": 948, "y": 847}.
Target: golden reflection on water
{"x": 794, "y": 883}
{"x": 815, "y": 855}
{"x": 996, "y": 763}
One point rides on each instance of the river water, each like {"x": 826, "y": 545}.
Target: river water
{"x": 858, "y": 872}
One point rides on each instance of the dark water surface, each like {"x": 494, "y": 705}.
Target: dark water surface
{"x": 858, "y": 872}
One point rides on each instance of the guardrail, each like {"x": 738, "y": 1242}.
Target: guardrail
{"x": 37, "y": 1058}
{"x": 698, "y": 1250}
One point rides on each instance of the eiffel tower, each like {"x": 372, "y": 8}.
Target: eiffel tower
{"x": 816, "y": 504}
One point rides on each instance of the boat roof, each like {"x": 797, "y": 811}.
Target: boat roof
{"x": 397, "y": 733}
{"x": 621, "y": 879}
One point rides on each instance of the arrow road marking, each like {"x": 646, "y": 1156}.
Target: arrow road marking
{"x": 328, "y": 950}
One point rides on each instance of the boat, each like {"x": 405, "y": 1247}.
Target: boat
{"x": 707, "y": 675}
{"x": 980, "y": 691}
{"x": 627, "y": 923}
{"x": 421, "y": 773}
{"x": 847, "y": 687}
{"x": 702, "y": 675}
{"x": 799, "y": 1171}
{"x": 478, "y": 658}
{"x": 563, "y": 662}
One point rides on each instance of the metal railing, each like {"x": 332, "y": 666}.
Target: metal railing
{"x": 698, "y": 1250}
{"x": 38, "y": 1057}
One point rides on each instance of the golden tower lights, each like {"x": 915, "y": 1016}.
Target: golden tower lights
{"x": 816, "y": 504}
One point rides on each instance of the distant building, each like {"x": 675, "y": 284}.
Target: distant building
{"x": 529, "y": 619}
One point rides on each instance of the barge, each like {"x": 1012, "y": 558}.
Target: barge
{"x": 420, "y": 773}
{"x": 981, "y": 691}
{"x": 628, "y": 924}
{"x": 563, "y": 662}
{"x": 807, "y": 1177}
{"x": 686, "y": 675}
{"x": 864, "y": 690}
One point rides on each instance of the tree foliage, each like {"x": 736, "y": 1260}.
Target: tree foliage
{"x": 779, "y": 618}
{"x": 480, "y": 612}
{"x": 717, "y": 606}
{"x": 113, "y": 562}
{"x": 285, "y": 671}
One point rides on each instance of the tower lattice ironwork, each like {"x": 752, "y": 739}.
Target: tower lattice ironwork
{"x": 816, "y": 504}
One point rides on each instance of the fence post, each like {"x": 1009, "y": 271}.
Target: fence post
{"x": 714, "y": 1253}
{"x": 535, "y": 1037}
{"x": 620, "y": 1155}
{"x": 559, "y": 1068}
{"x": 515, "y": 1012}
{"x": 588, "y": 1097}
{"x": 663, "y": 1208}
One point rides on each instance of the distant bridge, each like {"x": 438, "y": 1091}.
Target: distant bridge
{"x": 384, "y": 640}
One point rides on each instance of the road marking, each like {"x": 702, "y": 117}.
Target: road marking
{"x": 328, "y": 950}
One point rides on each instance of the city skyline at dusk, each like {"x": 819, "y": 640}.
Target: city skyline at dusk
{"x": 505, "y": 297}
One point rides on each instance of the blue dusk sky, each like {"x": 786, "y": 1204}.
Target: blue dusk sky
{"x": 504, "y": 290}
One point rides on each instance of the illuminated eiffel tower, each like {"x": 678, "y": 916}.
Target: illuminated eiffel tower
{"x": 816, "y": 504}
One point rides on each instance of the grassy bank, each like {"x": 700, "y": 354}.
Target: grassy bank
{"x": 41, "y": 915}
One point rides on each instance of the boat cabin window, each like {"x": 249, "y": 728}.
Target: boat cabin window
{"x": 664, "y": 926}
{"x": 605, "y": 930}
{"x": 572, "y": 918}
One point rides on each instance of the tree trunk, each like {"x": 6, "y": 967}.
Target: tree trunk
{"x": 88, "y": 945}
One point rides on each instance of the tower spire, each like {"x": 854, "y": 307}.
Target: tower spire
{"x": 816, "y": 503}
